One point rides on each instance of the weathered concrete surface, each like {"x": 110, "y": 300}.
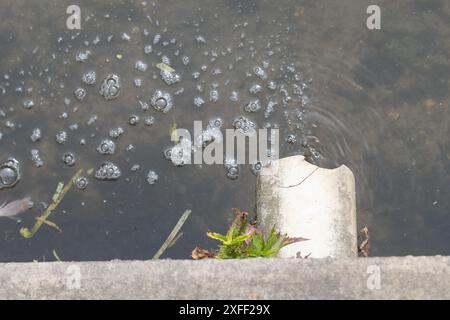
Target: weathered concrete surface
{"x": 304, "y": 200}
{"x": 358, "y": 278}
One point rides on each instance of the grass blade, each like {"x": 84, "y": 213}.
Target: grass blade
{"x": 170, "y": 239}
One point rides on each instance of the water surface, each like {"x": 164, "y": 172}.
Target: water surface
{"x": 376, "y": 101}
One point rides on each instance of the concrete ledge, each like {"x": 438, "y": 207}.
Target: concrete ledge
{"x": 363, "y": 278}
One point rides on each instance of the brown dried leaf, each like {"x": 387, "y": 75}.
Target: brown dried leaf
{"x": 240, "y": 220}
{"x": 198, "y": 253}
{"x": 299, "y": 255}
{"x": 291, "y": 240}
{"x": 251, "y": 230}
{"x": 364, "y": 247}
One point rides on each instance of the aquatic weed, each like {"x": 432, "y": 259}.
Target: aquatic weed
{"x": 245, "y": 240}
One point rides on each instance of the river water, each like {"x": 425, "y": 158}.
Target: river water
{"x": 374, "y": 100}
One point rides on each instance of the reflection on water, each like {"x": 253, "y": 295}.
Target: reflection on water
{"x": 376, "y": 101}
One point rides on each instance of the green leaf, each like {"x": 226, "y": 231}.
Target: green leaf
{"x": 165, "y": 67}
{"x": 258, "y": 242}
{"x": 272, "y": 238}
{"x": 240, "y": 239}
{"x": 230, "y": 235}
{"x": 276, "y": 247}
{"x": 217, "y": 236}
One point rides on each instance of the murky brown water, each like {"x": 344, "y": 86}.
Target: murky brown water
{"x": 377, "y": 101}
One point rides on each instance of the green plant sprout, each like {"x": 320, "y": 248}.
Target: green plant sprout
{"x": 60, "y": 192}
{"x": 244, "y": 240}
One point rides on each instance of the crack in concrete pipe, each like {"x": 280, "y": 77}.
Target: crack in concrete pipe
{"x": 303, "y": 200}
